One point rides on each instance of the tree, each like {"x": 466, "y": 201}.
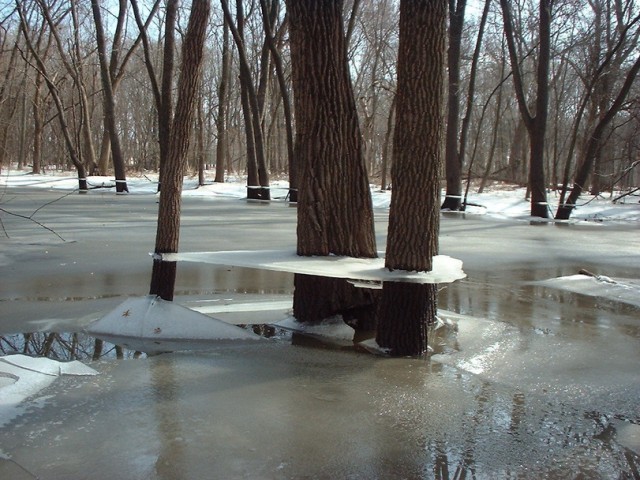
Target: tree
{"x": 268, "y": 18}
{"x": 258, "y": 175}
{"x": 163, "y": 275}
{"x": 335, "y": 214}
{"x": 108, "y": 95}
{"x": 536, "y": 121}
{"x": 595, "y": 144}
{"x": 57, "y": 99}
{"x": 453, "y": 164}
{"x": 163, "y": 92}
{"x": 406, "y": 309}
{"x": 223, "y": 107}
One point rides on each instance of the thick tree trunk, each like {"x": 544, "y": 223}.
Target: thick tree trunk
{"x": 403, "y": 331}
{"x": 335, "y": 214}
{"x": 414, "y": 216}
{"x": 168, "y": 233}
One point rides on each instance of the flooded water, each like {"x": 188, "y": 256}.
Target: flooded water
{"x": 524, "y": 381}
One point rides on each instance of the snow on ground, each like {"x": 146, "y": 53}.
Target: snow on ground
{"x": 22, "y": 376}
{"x": 499, "y": 201}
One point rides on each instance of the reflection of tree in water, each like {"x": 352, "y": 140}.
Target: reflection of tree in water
{"x": 169, "y": 463}
{"x": 465, "y": 466}
{"x": 62, "y": 346}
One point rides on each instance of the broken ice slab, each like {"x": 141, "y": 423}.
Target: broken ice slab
{"x": 150, "y": 324}
{"x": 624, "y": 290}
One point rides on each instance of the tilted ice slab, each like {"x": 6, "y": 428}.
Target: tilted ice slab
{"x": 445, "y": 269}
{"x": 150, "y": 324}
{"x": 332, "y": 328}
{"x": 22, "y": 376}
{"x": 618, "y": 289}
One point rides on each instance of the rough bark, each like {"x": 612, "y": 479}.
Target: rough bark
{"x": 405, "y": 309}
{"x": 335, "y": 214}
{"x": 168, "y": 232}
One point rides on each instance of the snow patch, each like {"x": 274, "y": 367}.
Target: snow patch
{"x": 30, "y": 375}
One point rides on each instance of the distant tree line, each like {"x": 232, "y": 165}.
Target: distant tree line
{"x": 541, "y": 94}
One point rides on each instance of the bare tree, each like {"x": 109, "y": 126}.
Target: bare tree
{"x": 163, "y": 275}
{"x": 223, "y": 107}
{"x": 414, "y": 218}
{"x": 108, "y": 95}
{"x": 536, "y": 121}
{"x": 60, "y": 107}
{"x": 258, "y": 179}
{"x": 162, "y": 88}
{"x": 335, "y": 214}
{"x": 453, "y": 162}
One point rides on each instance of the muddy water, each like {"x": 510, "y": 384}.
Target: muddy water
{"x": 525, "y": 381}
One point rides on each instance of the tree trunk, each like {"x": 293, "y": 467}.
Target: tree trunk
{"x": 223, "y": 105}
{"x": 595, "y": 145}
{"x": 200, "y": 154}
{"x": 453, "y": 165}
{"x": 163, "y": 275}
{"x": 163, "y": 93}
{"x": 109, "y": 104}
{"x": 387, "y": 142}
{"x": 414, "y": 217}
{"x": 7, "y": 113}
{"x": 38, "y": 126}
{"x": 466, "y": 121}
{"x": 536, "y": 124}
{"x": 68, "y": 140}
{"x": 286, "y": 101}
{"x": 335, "y": 214}
{"x": 251, "y": 110}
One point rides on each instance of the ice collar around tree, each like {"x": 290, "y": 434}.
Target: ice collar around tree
{"x": 363, "y": 272}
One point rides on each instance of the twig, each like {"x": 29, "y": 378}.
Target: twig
{"x": 31, "y": 219}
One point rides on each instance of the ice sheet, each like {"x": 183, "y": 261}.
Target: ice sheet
{"x": 624, "y": 290}
{"x": 30, "y": 375}
{"x": 146, "y": 323}
{"x": 333, "y": 327}
{"x": 445, "y": 268}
